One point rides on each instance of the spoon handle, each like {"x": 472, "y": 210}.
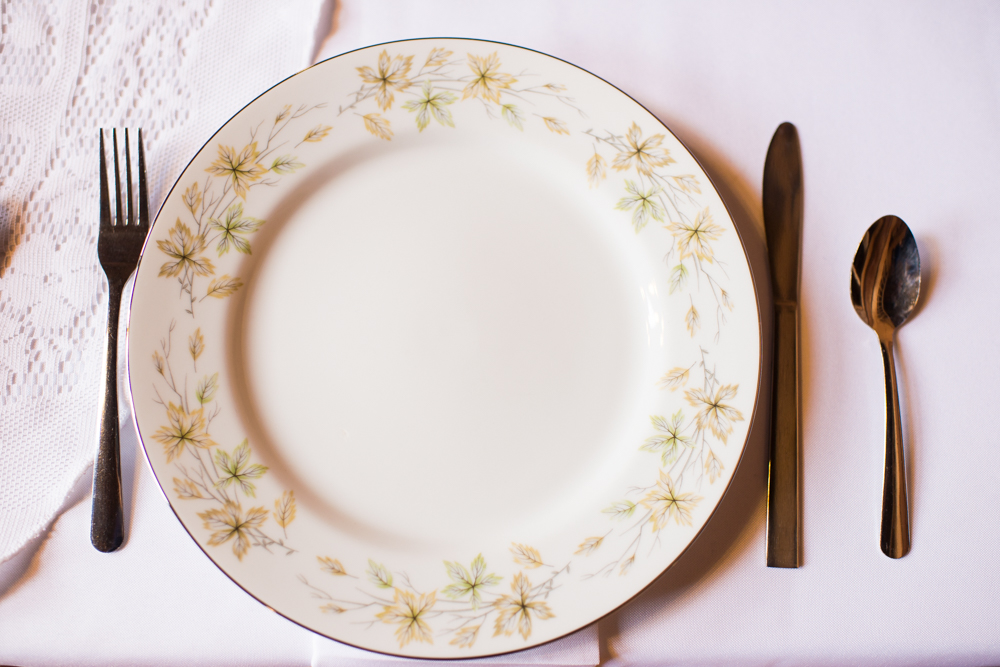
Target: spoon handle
{"x": 895, "y": 519}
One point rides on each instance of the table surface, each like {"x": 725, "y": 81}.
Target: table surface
{"x": 898, "y": 110}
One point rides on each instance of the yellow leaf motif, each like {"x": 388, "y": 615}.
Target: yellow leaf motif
{"x": 597, "y": 170}
{"x": 674, "y": 379}
{"x": 590, "y": 545}
{"x": 331, "y": 566}
{"x": 692, "y": 320}
{"x": 488, "y": 81}
{"x": 389, "y": 76}
{"x": 284, "y": 510}
{"x": 555, "y": 125}
{"x": 696, "y": 238}
{"x": 666, "y": 502}
{"x": 715, "y": 415}
{"x": 196, "y": 344}
{"x": 626, "y": 566}
{"x": 713, "y": 466}
{"x": 437, "y": 57}
{"x": 687, "y": 183}
{"x": 378, "y": 126}
{"x": 526, "y": 556}
{"x": 239, "y": 167}
{"x": 186, "y": 489}
{"x": 283, "y": 114}
{"x": 515, "y": 612}
{"x": 192, "y": 197}
{"x": 158, "y": 362}
{"x": 332, "y": 609}
{"x": 407, "y": 611}
{"x": 643, "y": 154}
{"x": 726, "y": 301}
{"x": 229, "y": 522}
{"x": 317, "y": 134}
{"x": 222, "y": 287}
{"x": 466, "y": 637}
{"x": 183, "y": 249}
{"x": 185, "y": 428}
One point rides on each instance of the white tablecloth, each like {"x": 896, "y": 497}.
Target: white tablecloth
{"x": 898, "y": 110}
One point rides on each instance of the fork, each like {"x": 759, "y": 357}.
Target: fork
{"x": 119, "y": 244}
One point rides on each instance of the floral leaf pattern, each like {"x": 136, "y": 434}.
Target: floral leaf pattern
{"x": 432, "y": 91}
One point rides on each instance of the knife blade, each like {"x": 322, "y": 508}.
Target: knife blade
{"x": 783, "y": 210}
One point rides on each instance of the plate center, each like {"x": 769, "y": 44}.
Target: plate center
{"x": 442, "y": 342}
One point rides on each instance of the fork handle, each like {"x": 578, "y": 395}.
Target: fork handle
{"x": 107, "y": 527}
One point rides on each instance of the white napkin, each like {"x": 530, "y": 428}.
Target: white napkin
{"x": 580, "y": 649}
{"x": 178, "y": 71}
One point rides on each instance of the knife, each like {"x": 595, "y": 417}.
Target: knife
{"x": 782, "y": 199}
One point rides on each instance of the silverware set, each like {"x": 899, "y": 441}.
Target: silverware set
{"x": 885, "y": 286}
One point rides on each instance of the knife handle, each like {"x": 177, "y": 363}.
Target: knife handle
{"x": 783, "y": 517}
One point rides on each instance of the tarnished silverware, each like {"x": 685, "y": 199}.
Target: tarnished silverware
{"x": 885, "y": 286}
{"x": 119, "y": 244}
{"x": 783, "y": 207}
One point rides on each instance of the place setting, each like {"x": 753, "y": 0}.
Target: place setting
{"x": 450, "y": 349}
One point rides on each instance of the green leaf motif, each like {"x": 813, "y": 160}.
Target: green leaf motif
{"x": 233, "y": 227}
{"x": 672, "y": 437}
{"x": 205, "y": 391}
{"x": 513, "y": 116}
{"x": 469, "y": 582}
{"x": 620, "y": 510}
{"x": 434, "y": 104}
{"x": 678, "y": 277}
{"x": 237, "y": 469}
{"x": 286, "y": 164}
{"x": 378, "y": 575}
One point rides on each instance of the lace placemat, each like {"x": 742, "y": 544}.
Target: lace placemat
{"x": 178, "y": 70}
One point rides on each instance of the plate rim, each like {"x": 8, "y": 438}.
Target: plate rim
{"x": 743, "y": 447}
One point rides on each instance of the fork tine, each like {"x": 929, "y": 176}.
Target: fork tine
{"x": 143, "y": 195}
{"x": 105, "y": 200}
{"x": 129, "y": 208}
{"x": 118, "y": 184}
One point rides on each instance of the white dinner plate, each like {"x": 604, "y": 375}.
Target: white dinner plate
{"x": 444, "y": 348}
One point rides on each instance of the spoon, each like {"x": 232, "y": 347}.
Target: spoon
{"x": 885, "y": 285}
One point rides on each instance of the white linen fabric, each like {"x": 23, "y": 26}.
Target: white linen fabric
{"x": 896, "y": 105}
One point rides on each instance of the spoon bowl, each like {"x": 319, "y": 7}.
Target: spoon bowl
{"x": 885, "y": 286}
